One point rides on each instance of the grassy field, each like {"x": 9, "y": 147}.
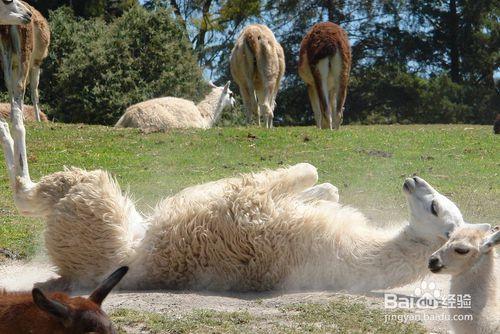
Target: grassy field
{"x": 367, "y": 163}
{"x": 338, "y": 316}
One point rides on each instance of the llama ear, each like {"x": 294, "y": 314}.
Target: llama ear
{"x": 491, "y": 241}
{"x": 480, "y": 227}
{"x": 102, "y": 291}
{"x": 211, "y": 84}
{"x": 226, "y": 87}
{"x": 54, "y": 308}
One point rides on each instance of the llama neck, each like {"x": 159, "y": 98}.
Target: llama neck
{"x": 398, "y": 260}
{"x": 479, "y": 282}
{"x": 211, "y": 107}
{"x": 369, "y": 258}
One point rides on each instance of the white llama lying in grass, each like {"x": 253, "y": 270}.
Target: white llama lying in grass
{"x": 172, "y": 113}
{"x": 262, "y": 231}
{"x": 469, "y": 257}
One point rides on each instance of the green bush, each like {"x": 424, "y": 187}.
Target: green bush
{"x": 96, "y": 70}
{"x": 388, "y": 94}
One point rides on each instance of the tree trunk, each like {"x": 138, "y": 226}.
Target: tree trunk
{"x": 454, "y": 48}
{"x": 177, "y": 12}
{"x": 334, "y": 9}
{"x": 205, "y": 21}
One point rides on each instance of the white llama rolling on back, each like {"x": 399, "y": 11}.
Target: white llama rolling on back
{"x": 173, "y": 113}
{"x": 469, "y": 257}
{"x": 256, "y": 233}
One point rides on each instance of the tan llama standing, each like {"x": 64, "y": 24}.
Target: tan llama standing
{"x": 257, "y": 66}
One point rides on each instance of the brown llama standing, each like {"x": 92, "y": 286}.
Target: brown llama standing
{"x": 257, "y": 66}
{"x": 324, "y": 65}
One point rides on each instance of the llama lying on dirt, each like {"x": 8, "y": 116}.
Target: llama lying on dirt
{"x": 172, "y": 113}
{"x": 24, "y": 313}
{"x": 28, "y": 113}
{"x": 262, "y": 231}
{"x": 256, "y": 233}
{"x": 257, "y": 66}
{"x": 469, "y": 257}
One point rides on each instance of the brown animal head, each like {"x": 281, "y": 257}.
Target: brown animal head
{"x": 79, "y": 315}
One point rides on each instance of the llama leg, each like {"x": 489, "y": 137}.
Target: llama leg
{"x": 335, "y": 116}
{"x": 19, "y": 134}
{"x": 324, "y": 70}
{"x": 249, "y": 102}
{"x": 8, "y": 150}
{"x": 325, "y": 191}
{"x": 265, "y": 102}
{"x": 293, "y": 179}
{"x": 5, "y": 136}
{"x": 336, "y": 90}
{"x": 313, "y": 97}
{"x": 34, "y": 81}
{"x": 20, "y": 70}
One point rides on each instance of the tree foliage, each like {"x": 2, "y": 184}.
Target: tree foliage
{"x": 87, "y": 8}
{"x": 95, "y": 70}
{"x": 413, "y": 61}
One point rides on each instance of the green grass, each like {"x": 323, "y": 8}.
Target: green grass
{"x": 199, "y": 321}
{"x": 338, "y": 316}
{"x": 367, "y": 163}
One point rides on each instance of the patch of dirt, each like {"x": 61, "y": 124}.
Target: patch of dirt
{"x": 375, "y": 153}
{"x": 8, "y": 254}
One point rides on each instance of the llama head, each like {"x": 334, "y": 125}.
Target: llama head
{"x": 431, "y": 214}
{"x": 81, "y": 315}
{"x": 14, "y": 12}
{"x": 466, "y": 246}
{"x": 227, "y": 97}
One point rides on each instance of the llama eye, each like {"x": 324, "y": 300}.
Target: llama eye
{"x": 7, "y": 1}
{"x": 434, "y": 208}
{"x": 461, "y": 251}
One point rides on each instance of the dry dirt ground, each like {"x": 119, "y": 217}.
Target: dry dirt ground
{"x": 17, "y": 275}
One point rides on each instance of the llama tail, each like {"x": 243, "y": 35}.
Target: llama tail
{"x": 252, "y": 42}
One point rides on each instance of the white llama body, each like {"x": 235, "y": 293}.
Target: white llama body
{"x": 174, "y": 113}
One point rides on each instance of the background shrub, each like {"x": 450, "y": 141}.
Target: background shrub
{"x": 95, "y": 69}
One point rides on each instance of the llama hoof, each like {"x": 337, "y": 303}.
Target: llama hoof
{"x": 305, "y": 173}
